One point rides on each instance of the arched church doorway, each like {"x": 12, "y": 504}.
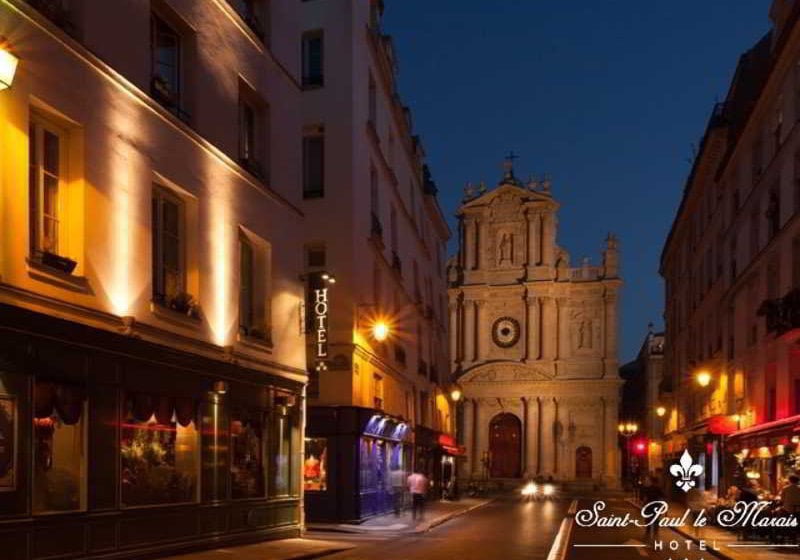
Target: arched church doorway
{"x": 583, "y": 462}
{"x": 505, "y": 446}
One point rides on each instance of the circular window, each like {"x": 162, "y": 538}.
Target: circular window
{"x": 505, "y": 332}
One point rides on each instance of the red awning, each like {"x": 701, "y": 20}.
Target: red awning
{"x": 765, "y": 434}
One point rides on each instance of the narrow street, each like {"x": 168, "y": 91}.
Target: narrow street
{"x": 506, "y": 529}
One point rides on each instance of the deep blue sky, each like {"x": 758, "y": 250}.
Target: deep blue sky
{"x": 606, "y": 97}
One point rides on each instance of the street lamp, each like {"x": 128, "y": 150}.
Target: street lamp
{"x": 661, "y": 411}
{"x": 455, "y": 393}
{"x": 8, "y": 66}
{"x": 703, "y": 378}
{"x": 628, "y": 430}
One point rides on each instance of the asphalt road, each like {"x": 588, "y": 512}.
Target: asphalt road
{"x": 506, "y": 529}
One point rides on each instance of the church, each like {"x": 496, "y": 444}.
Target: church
{"x": 533, "y": 342}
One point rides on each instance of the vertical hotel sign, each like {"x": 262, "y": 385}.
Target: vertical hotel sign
{"x": 320, "y": 314}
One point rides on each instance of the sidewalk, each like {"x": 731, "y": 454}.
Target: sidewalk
{"x": 436, "y": 513}
{"x": 283, "y": 549}
{"x": 730, "y": 548}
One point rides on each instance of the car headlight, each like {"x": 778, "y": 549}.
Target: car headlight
{"x": 549, "y": 489}
{"x": 529, "y": 489}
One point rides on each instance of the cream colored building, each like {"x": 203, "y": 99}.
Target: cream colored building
{"x": 533, "y": 340}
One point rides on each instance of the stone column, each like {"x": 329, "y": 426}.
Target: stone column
{"x": 549, "y": 328}
{"x": 532, "y": 328}
{"x": 469, "y": 435}
{"x": 534, "y": 243}
{"x": 533, "y": 435}
{"x": 562, "y": 345}
{"x": 548, "y": 239}
{"x": 481, "y": 331}
{"x": 548, "y": 417}
{"x": 611, "y": 325}
{"x": 469, "y": 331}
{"x": 480, "y": 257}
{"x": 469, "y": 244}
{"x": 453, "y": 309}
{"x": 481, "y": 435}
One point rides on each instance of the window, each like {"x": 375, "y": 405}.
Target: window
{"x": 255, "y": 257}
{"x": 314, "y": 166}
{"x": 59, "y": 454}
{"x": 315, "y": 468}
{"x": 166, "y": 64}
{"x": 777, "y": 126}
{"x": 312, "y": 59}
{"x": 247, "y": 454}
{"x": 773, "y": 213}
{"x": 757, "y": 160}
{"x": 169, "y": 282}
{"x": 159, "y": 451}
{"x": 754, "y": 241}
{"x": 282, "y": 426}
{"x": 251, "y": 12}
{"x": 46, "y": 183}
{"x": 246, "y": 286}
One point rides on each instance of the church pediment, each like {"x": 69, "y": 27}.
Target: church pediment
{"x": 508, "y": 372}
{"x": 505, "y": 194}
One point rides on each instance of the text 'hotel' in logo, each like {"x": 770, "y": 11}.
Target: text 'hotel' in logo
{"x": 686, "y": 472}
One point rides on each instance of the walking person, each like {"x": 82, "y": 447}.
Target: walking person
{"x": 418, "y": 486}
{"x": 651, "y": 492}
{"x": 397, "y": 481}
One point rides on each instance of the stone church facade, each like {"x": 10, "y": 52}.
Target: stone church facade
{"x": 533, "y": 342}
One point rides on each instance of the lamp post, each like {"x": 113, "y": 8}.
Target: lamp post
{"x": 627, "y": 430}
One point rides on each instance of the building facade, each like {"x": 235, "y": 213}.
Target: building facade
{"x": 152, "y": 359}
{"x": 731, "y": 265}
{"x": 533, "y": 341}
{"x": 378, "y": 404}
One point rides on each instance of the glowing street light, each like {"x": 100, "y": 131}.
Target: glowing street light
{"x": 455, "y": 393}
{"x": 8, "y": 67}
{"x": 380, "y": 330}
{"x": 661, "y": 411}
{"x": 703, "y": 378}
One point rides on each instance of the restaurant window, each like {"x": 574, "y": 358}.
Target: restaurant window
{"x": 247, "y": 444}
{"x": 315, "y": 468}
{"x": 313, "y": 73}
{"x": 59, "y": 428}
{"x": 47, "y": 153}
{"x": 314, "y": 165}
{"x": 159, "y": 450}
{"x": 166, "y": 56}
{"x": 282, "y": 426}
{"x": 169, "y": 279}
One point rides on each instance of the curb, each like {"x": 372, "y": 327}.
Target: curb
{"x": 423, "y": 528}
{"x": 447, "y": 517}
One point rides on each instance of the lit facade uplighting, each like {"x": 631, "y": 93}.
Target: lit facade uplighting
{"x": 661, "y": 411}
{"x": 8, "y": 67}
{"x": 703, "y": 378}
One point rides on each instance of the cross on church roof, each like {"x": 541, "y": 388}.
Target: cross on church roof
{"x": 508, "y": 164}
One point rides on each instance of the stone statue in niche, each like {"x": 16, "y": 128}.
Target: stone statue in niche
{"x": 585, "y": 335}
{"x": 506, "y": 249}
{"x": 585, "y": 330}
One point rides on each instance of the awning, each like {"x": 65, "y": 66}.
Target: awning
{"x": 767, "y": 434}
{"x": 450, "y": 446}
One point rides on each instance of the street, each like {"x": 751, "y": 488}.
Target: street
{"x": 506, "y": 529}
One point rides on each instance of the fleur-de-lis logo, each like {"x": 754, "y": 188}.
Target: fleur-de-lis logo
{"x": 686, "y": 472}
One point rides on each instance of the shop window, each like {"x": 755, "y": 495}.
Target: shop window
{"x": 247, "y": 464}
{"x": 315, "y": 468}
{"x": 282, "y": 425}
{"x": 159, "y": 450}
{"x": 59, "y": 427}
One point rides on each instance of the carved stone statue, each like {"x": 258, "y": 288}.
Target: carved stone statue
{"x": 506, "y": 249}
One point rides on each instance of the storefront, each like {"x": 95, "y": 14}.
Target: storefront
{"x": 352, "y": 457}
{"x": 436, "y": 458}
{"x": 764, "y": 455}
{"x": 110, "y": 445}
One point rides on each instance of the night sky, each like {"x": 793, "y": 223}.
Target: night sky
{"x": 608, "y": 98}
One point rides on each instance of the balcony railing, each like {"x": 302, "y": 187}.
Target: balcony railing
{"x": 782, "y": 314}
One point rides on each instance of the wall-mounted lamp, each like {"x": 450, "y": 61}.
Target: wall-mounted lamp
{"x": 703, "y": 378}
{"x": 455, "y": 393}
{"x": 8, "y": 66}
{"x": 220, "y": 387}
{"x": 661, "y": 411}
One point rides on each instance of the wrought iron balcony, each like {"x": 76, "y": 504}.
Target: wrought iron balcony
{"x": 782, "y": 314}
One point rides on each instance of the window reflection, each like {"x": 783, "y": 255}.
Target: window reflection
{"x": 59, "y": 447}
{"x": 247, "y": 468}
{"x": 159, "y": 451}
